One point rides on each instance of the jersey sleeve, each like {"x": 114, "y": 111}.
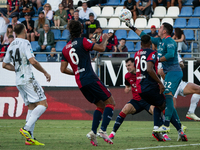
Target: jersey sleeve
{"x": 7, "y": 58}
{"x": 87, "y": 44}
{"x": 153, "y": 40}
{"x": 28, "y": 50}
{"x": 152, "y": 57}
{"x": 63, "y": 56}
{"x": 170, "y": 50}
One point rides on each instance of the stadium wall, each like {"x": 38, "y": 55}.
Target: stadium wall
{"x": 65, "y": 100}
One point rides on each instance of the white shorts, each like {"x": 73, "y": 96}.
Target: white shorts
{"x": 160, "y": 65}
{"x": 180, "y": 89}
{"x": 31, "y": 92}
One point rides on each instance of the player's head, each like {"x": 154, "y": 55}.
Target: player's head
{"x": 130, "y": 65}
{"x": 75, "y": 29}
{"x": 146, "y": 41}
{"x": 20, "y": 29}
{"x": 165, "y": 30}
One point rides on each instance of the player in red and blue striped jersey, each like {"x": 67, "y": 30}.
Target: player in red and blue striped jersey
{"x": 76, "y": 53}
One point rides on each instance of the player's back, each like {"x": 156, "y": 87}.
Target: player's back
{"x": 19, "y": 52}
{"x": 144, "y": 82}
{"x": 76, "y": 52}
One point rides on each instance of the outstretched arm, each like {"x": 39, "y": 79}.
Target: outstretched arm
{"x": 64, "y": 69}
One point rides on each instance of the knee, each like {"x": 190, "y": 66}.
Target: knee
{"x": 48, "y": 48}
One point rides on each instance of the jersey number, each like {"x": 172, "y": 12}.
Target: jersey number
{"x": 74, "y": 56}
{"x": 17, "y": 56}
{"x": 143, "y": 63}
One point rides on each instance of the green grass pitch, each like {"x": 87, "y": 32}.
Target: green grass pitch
{"x": 71, "y": 135}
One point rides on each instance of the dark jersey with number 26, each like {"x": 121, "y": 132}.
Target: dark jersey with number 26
{"x": 76, "y": 52}
{"x": 144, "y": 82}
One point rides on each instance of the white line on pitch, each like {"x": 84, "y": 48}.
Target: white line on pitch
{"x": 164, "y": 146}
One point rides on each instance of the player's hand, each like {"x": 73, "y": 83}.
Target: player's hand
{"x": 162, "y": 88}
{"x": 105, "y": 36}
{"x": 128, "y": 24}
{"x": 48, "y": 77}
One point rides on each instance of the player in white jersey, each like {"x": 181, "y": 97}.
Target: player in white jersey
{"x": 21, "y": 55}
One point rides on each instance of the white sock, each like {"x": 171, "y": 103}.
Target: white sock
{"x": 32, "y": 129}
{"x": 35, "y": 115}
{"x": 113, "y": 133}
{"x": 33, "y": 126}
{"x": 193, "y": 104}
{"x": 155, "y": 127}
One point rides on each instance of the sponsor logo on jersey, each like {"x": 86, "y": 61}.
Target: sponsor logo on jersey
{"x": 170, "y": 45}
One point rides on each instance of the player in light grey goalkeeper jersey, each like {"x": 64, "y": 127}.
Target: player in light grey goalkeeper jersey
{"x": 20, "y": 58}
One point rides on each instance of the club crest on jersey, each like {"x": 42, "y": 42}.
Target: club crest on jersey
{"x": 153, "y": 56}
{"x": 89, "y": 41}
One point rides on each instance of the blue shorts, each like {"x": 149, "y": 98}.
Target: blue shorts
{"x": 172, "y": 81}
{"x": 153, "y": 97}
{"x": 95, "y": 91}
{"x": 140, "y": 105}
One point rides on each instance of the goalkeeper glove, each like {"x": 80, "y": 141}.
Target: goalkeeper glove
{"x": 128, "y": 24}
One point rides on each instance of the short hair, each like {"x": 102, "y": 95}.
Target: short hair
{"x": 123, "y": 39}
{"x": 168, "y": 27}
{"x": 10, "y": 36}
{"x": 19, "y": 28}
{"x": 130, "y": 59}
{"x": 75, "y": 29}
{"x": 145, "y": 39}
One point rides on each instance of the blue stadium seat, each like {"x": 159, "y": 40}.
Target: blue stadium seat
{"x": 34, "y": 44}
{"x": 137, "y": 46}
{"x": 121, "y": 34}
{"x": 188, "y": 3}
{"x": 41, "y": 57}
{"x": 189, "y": 34}
{"x": 122, "y": 3}
{"x": 57, "y": 34}
{"x": 21, "y": 19}
{"x": 34, "y": 19}
{"x": 10, "y": 19}
{"x": 112, "y": 3}
{"x": 180, "y": 23}
{"x": 146, "y": 31}
{"x": 196, "y": 12}
{"x": 65, "y": 35}
{"x": 130, "y": 46}
{"x": 193, "y": 23}
{"x": 60, "y": 45}
{"x": 187, "y": 56}
{"x": 132, "y": 55}
{"x": 186, "y": 12}
{"x": 132, "y": 36}
{"x": 36, "y": 13}
{"x": 105, "y": 31}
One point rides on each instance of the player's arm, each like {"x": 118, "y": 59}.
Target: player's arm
{"x": 170, "y": 53}
{"x": 102, "y": 46}
{"x": 64, "y": 69}
{"x": 152, "y": 73}
{"x": 37, "y": 66}
{"x": 127, "y": 89}
{"x": 8, "y": 66}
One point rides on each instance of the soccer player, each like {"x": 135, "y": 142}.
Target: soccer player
{"x": 76, "y": 53}
{"x": 20, "y": 53}
{"x": 167, "y": 53}
{"x": 136, "y": 104}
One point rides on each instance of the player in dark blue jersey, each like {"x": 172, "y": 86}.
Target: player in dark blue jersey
{"x": 76, "y": 53}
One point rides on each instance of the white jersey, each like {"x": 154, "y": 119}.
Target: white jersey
{"x": 19, "y": 52}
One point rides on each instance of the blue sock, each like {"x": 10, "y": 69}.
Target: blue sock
{"x": 169, "y": 109}
{"x": 96, "y": 119}
{"x": 107, "y": 116}
{"x": 158, "y": 121}
{"x": 119, "y": 121}
{"x": 175, "y": 122}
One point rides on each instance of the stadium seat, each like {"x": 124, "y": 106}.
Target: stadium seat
{"x": 57, "y": 34}
{"x": 153, "y": 21}
{"x": 113, "y": 23}
{"x": 168, "y": 20}
{"x": 146, "y": 31}
{"x": 34, "y": 44}
{"x": 65, "y": 35}
{"x": 160, "y": 11}
{"x": 188, "y": 3}
{"x": 180, "y": 23}
{"x": 186, "y": 12}
{"x": 187, "y": 56}
{"x": 193, "y": 23}
{"x": 172, "y": 11}
{"x": 21, "y": 19}
{"x": 122, "y": 3}
{"x": 41, "y": 57}
{"x": 132, "y": 36}
{"x": 140, "y": 23}
{"x": 112, "y": 3}
{"x": 60, "y": 45}
{"x": 79, "y": 8}
{"x": 123, "y": 25}
{"x": 97, "y": 10}
{"x": 130, "y": 46}
{"x": 107, "y": 12}
{"x": 121, "y": 34}
{"x": 117, "y": 10}
{"x": 103, "y": 22}
{"x": 75, "y": 2}
{"x": 189, "y": 34}
{"x": 137, "y": 46}
{"x": 34, "y": 18}
{"x": 196, "y": 12}
{"x": 36, "y": 13}
{"x": 105, "y": 31}
{"x": 132, "y": 55}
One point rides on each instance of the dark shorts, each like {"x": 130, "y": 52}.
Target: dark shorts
{"x": 140, "y": 105}
{"x": 153, "y": 97}
{"x": 95, "y": 91}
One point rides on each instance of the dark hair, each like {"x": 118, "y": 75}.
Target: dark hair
{"x": 168, "y": 27}
{"x": 10, "y": 36}
{"x": 75, "y": 29}
{"x": 19, "y": 28}
{"x": 10, "y": 26}
{"x": 178, "y": 32}
{"x": 130, "y": 59}
{"x": 145, "y": 39}
{"x": 123, "y": 39}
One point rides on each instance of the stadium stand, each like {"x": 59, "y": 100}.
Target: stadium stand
{"x": 189, "y": 35}
{"x": 168, "y": 20}
{"x": 140, "y": 23}
{"x": 172, "y": 12}
{"x": 34, "y": 44}
{"x": 57, "y": 34}
{"x": 103, "y": 22}
{"x": 59, "y": 46}
{"x": 121, "y": 34}
{"x": 107, "y": 12}
{"x": 130, "y": 46}
{"x": 113, "y": 23}
{"x": 193, "y": 23}
{"x": 159, "y": 12}
{"x": 153, "y": 21}
{"x": 122, "y": 3}
{"x": 196, "y": 12}
{"x": 180, "y": 23}
{"x": 186, "y": 12}
{"x": 123, "y": 25}
{"x": 65, "y": 35}
{"x": 146, "y": 30}
{"x": 97, "y": 10}
{"x": 112, "y": 3}
{"x": 132, "y": 36}
{"x": 137, "y": 46}
{"x": 41, "y": 57}
{"x": 117, "y": 10}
